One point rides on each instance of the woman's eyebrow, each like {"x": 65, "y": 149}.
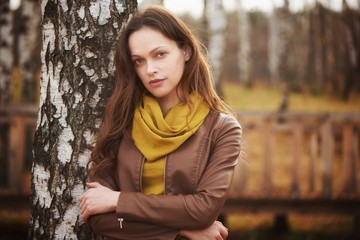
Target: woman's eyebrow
{"x": 157, "y": 48}
{"x": 151, "y": 51}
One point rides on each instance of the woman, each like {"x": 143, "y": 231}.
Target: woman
{"x": 166, "y": 150}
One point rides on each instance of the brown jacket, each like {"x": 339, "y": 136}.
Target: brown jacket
{"x": 197, "y": 179}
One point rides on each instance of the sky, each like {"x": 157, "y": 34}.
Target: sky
{"x": 194, "y": 7}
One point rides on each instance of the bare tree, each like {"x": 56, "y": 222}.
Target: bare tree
{"x": 216, "y": 23}
{"x": 5, "y": 51}
{"x": 19, "y": 52}
{"x": 352, "y": 21}
{"x": 29, "y": 50}
{"x": 76, "y": 79}
{"x": 280, "y": 42}
{"x": 244, "y": 53}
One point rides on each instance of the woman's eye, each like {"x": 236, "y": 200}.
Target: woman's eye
{"x": 137, "y": 62}
{"x": 161, "y": 54}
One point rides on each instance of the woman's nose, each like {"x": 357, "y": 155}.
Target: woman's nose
{"x": 151, "y": 67}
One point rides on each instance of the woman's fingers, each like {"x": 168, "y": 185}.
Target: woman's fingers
{"x": 93, "y": 184}
{"x": 84, "y": 199}
{"x": 223, "y": 230}
{"x": 224, "y": 233}
{"x": 97, "y": 199}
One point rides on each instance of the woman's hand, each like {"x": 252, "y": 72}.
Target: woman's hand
{"x": 97, "y": 199}
{"x": 217, "y": 231}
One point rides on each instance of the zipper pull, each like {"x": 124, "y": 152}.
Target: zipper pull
{"x": 120, "y": 222}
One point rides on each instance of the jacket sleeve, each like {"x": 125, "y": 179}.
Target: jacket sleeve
{"x": 109, "y": 225}
{"x": 193, "y": 211}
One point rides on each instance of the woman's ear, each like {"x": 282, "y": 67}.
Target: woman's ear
{"x": 187, "y": 52}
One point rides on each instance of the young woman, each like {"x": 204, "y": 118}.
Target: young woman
{"x": 166, "y": 150}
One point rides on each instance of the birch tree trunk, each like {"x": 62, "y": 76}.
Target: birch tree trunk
{"x": 279, "y": 49}
{"x": 76, "y": 79}
{"x": 5, "y": 51}
{"x": 216, "y": 22}
{"x": 244, "y": 58}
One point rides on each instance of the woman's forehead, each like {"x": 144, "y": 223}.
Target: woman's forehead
{"x": 147, "y": 39}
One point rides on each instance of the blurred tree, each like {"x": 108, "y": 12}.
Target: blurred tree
{"x": 280, "y": 42}
{"x": 29, "y": 50}
{"x": 76, "y": 80}
{"x": 333, "y": 51}
{"x": 5, "y": 51}
{"x": 231, "y": 70}
{"x": 259, "y": 43}
{"x": 352, "y": 21}
{"x": 244, "y": 50}
{"x": 216, "y": 24}
{"x": 5, "y": 96}
{"x": 19, "y": 53}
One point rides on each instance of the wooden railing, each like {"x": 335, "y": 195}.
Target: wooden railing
{"x": 15, "y": 138}
{"x": 293, "y": 162}
{"x": 298, "y": 163}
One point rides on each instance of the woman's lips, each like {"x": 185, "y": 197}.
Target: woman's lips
{"x": 156, "y": 82}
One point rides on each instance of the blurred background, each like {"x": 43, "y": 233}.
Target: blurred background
{"x": 290, "y": 69}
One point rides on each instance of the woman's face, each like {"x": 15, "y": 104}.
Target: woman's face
{"x": 158, "y": 62}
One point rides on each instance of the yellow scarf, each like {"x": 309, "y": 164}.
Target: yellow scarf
{"x": 156, "y": 136}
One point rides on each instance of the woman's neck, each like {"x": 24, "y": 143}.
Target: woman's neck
{"x": 168, "y": 102}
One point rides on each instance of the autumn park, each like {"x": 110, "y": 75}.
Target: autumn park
{"x": 291, "y": 73}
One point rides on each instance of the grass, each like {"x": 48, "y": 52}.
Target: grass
{"x": 263, "y": 98}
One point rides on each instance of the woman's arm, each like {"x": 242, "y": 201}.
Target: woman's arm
{"x": 107, "y": 223}
{"x": 217, "y": 231}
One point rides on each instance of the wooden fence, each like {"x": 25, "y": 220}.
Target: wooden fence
{"x": 298, "y": 163}
{"x": 17, "y": 124}
{"x": 291, "y": 162}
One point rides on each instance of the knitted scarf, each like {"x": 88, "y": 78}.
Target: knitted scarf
{"x": 156, "y": 136}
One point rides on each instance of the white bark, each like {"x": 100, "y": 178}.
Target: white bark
{"x": 216, "y": 19}
{"x": 244, "y": 53}
{"x": 77, "y": 68}
{"x": 6, "y": 57}
{"x": 280, "y": 31}
{"x": 274, "y": 49}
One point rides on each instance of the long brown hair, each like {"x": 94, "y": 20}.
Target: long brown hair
{"x": 119, "y": 112}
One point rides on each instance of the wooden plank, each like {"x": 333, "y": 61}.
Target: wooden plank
{"x": 355, "y": 157}
{"x": 297, "y": 149}
{"x": 316, "y": 116}
{"x": 286, "y": 206}
{"x": 14, "y": 202}
{"x": 16, "y": 152}
{"x": 268, "y": 148}
{"x": 348, "y": 163}
{"x": 26, "y": 110}
{"x": 314, "y": 150}
{"x": 327, "y": 158}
